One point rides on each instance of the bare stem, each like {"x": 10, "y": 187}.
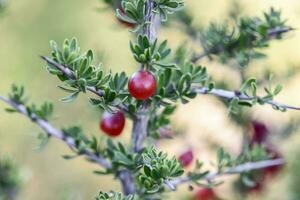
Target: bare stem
{"x": 57, "y": 133}
{"x": 234, "y": 170}
{"x": 232, "y": 94}
{"x": 139, "y": 130}
{"x": 127, "y": 181}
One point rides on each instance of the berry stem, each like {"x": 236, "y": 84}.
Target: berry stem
{"x": 140, "y": 122}
{"x": 141, "y": 119}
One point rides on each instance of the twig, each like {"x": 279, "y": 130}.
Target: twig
{"x": 232, "y": 94}
{"x": 57, "y": 133}
{"x": 249, "y": 166}
{"x": 69, "y": 73}
{"x": 271, "y": 33}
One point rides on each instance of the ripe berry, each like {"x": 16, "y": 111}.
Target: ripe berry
{"x": 112, "y": 123}
{"x": 274, "y": 154}
{"x": 259, "y": 133}
{"x": 186, "y": 158}
{"x": 205, "y": 194}
{"x": 142, "y": 85}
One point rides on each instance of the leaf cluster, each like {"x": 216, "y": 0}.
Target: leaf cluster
{"x": 243, "y": 41}
{"x": 166, "y": 7}
{"x": 112, "y": 196}
{"x": 176, "y": 84}
{"x": 152, "y": 167}
{"x": 158, "y": 168}
{"x": 136, "y": 12}
{"x": 83, "y": 75}
{"x": 148, "y": 53}
{"x": 249, "y": 90}
{"x": 17, "y": 95}
{"x": 255, "y": 153}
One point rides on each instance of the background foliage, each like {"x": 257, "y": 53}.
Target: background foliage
{"x": 24, "y": 35}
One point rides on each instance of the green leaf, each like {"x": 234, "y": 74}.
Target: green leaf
{"x": 278, "y": 89}
{"x": 71, "y": 97}
{"x": 69, "y": 157}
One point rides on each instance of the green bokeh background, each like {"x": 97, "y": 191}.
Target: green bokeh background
{"x": 25, "y": 30}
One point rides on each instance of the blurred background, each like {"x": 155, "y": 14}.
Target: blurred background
{"x": 27, "y": 26}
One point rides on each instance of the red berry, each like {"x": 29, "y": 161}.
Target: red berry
{"x": 186, "y": 158}
{"x": 259, "y": 133}
{"x": 142, "y": 85}
{"x": 205, "y": 194}
{"x": 274, "y": 154}
{"x": 112, "y": 123}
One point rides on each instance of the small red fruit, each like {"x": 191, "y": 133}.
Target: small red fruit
{"x": 274, "y": 154}
{"x": 186, "y": 158}
{"x": 142, "y": 85}
{"x": 112, "y": 123}
{"x": 259, "y": 133}
{"x": 205, "y": 194}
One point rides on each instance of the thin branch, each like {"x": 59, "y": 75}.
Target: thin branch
{"x": 70, "y": 74}
{"x": 127, "y": 181}
{"x": 232, "y": 94}
{"x": 140, "y": 128}
{"x": 271, "y": 33}
{"x": 57, "y": 133}
{"x": 249, "y": 166}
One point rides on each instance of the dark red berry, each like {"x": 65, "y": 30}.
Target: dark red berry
{"x": 274, "y": 154}
{"x": 112, "y": 123}
{"x": 142, "y": 85}
{"x": 205, "y": 194}
{"x": 186, "y": 158}
{"x": 259, "y": 132}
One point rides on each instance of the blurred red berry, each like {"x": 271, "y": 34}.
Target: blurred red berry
{"x": 112, "y": 123}
{"x": 259, "y": 132}
{"x": 205, "y": 194}
{"x": 186, "y": 158}
{"x": 274, "y": 154}
{"x": 142, "y": 85}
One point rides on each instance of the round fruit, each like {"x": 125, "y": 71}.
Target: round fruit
{"x": 274, "y": 154}
{"x": 112, "y": 123}
{"x": 142, "y": 85}
{"x": 259, "y": 133}
{"x": 205, "y": 194}
{"x": 186, "y": 158}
